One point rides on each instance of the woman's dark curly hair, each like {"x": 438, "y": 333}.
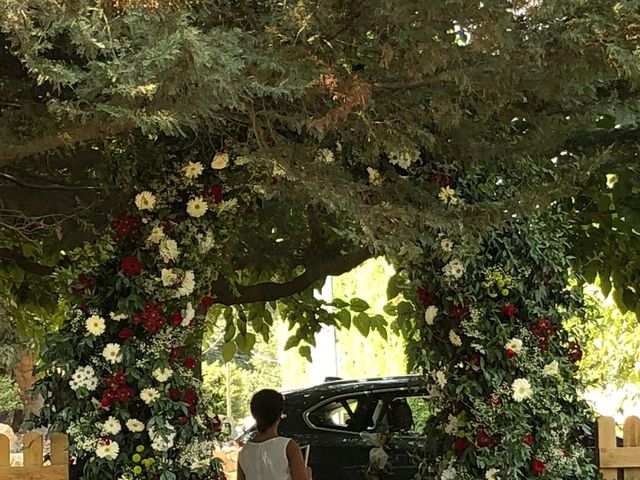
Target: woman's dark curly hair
{"x": 266, "y": 407}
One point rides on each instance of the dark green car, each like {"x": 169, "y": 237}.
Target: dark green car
{"x": 352, "y": 425}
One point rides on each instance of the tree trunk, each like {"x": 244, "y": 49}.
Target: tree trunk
{"x": 25, "y": 379}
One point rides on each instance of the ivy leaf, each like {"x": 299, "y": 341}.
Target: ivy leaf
{"x": 228, "y": 351}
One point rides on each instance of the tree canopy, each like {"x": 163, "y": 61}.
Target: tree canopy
{"x": 351, "y": 119}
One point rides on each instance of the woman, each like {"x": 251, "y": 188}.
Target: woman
{"x": 268, "y": 456}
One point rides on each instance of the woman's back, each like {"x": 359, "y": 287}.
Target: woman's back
{"x": 266, "y": 460}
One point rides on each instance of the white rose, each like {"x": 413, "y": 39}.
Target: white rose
{"x": 168, "y": 249}
{"x": 220, "y": 161}
{"x": 551, "y": 370}
{"x": 521, "y": 389}
{"x": 95, "y": 325}
{"x": 197, "y": 207}
{"x": 187, "y": 285}
{"x": 145, "y": 200}
{"x": 430, "y": 314}
{"x": 157, "y": 234}
{"x": 168, "y": 277}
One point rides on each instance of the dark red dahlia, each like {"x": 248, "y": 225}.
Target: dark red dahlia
{"x": 207, "y": 301}
{"x": 125, "y": 226}
{"x": 537, "y": 466}
{"x": 190, "y": 363}
{"x": 125, "y": 334}
{"x": 176, "y": 319}
{"x": 174, "y": 394}
{"x": 575, "y": 352}
{"x": 460, "y": 444}
{"x": 509, "y": 310}
{"x": 131, "y": 266}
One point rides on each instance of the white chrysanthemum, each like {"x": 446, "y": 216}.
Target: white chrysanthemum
{"x": 446, "y": 245}
{"x": 193, "y": 170}
{"x": 325, "y": 155}
{"x": 145, "y": 200}
{"x": 109, "y": 450}
{"x": 84, "y": 377}
{"x": 187, "y": 285}
{"x": 197, "y": 207}
{"x": 454, "y": 269}
{"x": 448, "y": 474}
{"x": 95, "y": 325}
{"x": 515, "y": 345}
{"x": 521, "y": 389}
{"x": 220, "y": 161}
{"x": 492, "y": 474}
{"x": 157, "y": 234}
{"x": 441, "y": 378}
{"x": 168, "y": 277}
{"x": 168, "y": 249}
{"x": 452, "y": 426}
{"x": 430, "y": 314}
{"x": 111, "y": 426}
{"x": 149, "y": 395}
{"x": 454, "y": 338}
{"x": 112, "y": 353}
{"x": 447, "y": 195}
{"x": 162, "y": 374}
{"x": 551, "y": 370}
{"x": 374, "y": 176}
{"x": 116, "y": 317}
{"x": 135, "y": 426}
{"x": 188, "y": 314}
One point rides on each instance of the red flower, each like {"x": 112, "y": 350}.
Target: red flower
{"x": 190, "y": 397}
{"x": 575, "y": 352}
{"x": 425, "y": 297}
{"x": 537, "y": 466}
{"x": 176, "y": 353}
{"x": 183, "y": 420}
{"x": 510, "y": 354}
{"x": 460, "y": 444}
{"x": 216, "y": 424}
{"x": 168, "y": 225}
{"x": 125, "y": 226}
{"x": 207, "y": 301}
{"x": 214, "y": 192}
{"x": 131, "y": 266}
{"x": 483, "y": 439}
{"x": 543, "y": 343}
{"x": 495, "y": 400}
{"x": 125, "y": 334}
{"x": 176, "y": 319}
{"x": 528, "y": 439}
{"x": 174, "y": 394}
{"x": 190, "y": 363}
{"x": 509, "y": 310}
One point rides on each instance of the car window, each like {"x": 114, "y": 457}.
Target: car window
{"x": 407, "y": 414}
{"x": 352, "y": 414}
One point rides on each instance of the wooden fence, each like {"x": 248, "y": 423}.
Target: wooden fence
{"x": 33, "y": 468}
{"x": 614, "y": 459}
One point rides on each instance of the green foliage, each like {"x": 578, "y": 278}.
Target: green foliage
{"x": 9, "y": 395}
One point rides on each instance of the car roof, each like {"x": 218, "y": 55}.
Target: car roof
{"x": 358, "y": 385}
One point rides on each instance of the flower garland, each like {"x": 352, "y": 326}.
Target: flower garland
{"x": 120, "y": 374}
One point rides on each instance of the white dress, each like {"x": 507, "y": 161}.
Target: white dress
{"x": 266, "y": 460}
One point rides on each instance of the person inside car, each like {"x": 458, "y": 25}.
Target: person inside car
{"x": 267, "y": 456}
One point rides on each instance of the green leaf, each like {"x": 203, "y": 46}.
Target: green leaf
{"x": 393, "y": 287}
{"x": 390, "y": 309}
{"x": 358, "y": 305}
{"x": 363, "y": 323}
{"x": 228, "y": 351}
{"x": 292, "y": 341}
{"x": 339, "y": 303}
{"x": 605, "y": 285}
{"x": 343, "y": 317}
{"x": 305, "y": 352}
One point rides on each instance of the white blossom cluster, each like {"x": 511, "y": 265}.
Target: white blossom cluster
{"x": 163, "y": 440}
{"x": 84, "y": 377}
{"x": 197, "y": 455}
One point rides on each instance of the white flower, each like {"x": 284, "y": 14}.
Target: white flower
{"x": 220, "y": 161}
{"x": 134, "y": 425}
{"x": 446, "y": 245}
{"x": 84, "y": 377}
{"x": 197, "y": 207}
{"x": 162, "y": 441}
{"x": 515, "y": 345}
{"x": 448, "y": 474}
{"x": 149, "y": 395}
{"x": 451, "y": 428}
{"x": 168, "y": 249}
{"x": 157, "y": 234}
{"x": 521, "y": 389}
{"x": 187, "y": 315}
{"x": 206, "y": 242}
{"x": 95, "y": 325}
{"x": 145, "y": 200}
{"x": 187, "y": 285}
{"x": 108, "y": 450}
{"x": 193, "y": 170}
{"x": 455, "y": 268}
{"x": 116, "y": 317}
{"x": 168, "y": 277}
{"x": 447, "y": 195}
{"x": 162, "y": 374}
{"x": 325, "y": 155}
{"x": 112, "y": 353}
{"x": 441, "y": 378}
{"x": 551, "y": 370}
{"x": 374, "y": 176}
{"x": 430, "y": 314}
{"x": 492, "y": 474}
{"x": 111, "y": 426}
{"x": 454, "y": 338}
{"x": 404, "y": 158}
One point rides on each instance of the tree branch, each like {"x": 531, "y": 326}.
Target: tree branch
{"x": 24, "y": 263}
{"x": 269, "y": 291}
{"x": 63, "y": 138}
